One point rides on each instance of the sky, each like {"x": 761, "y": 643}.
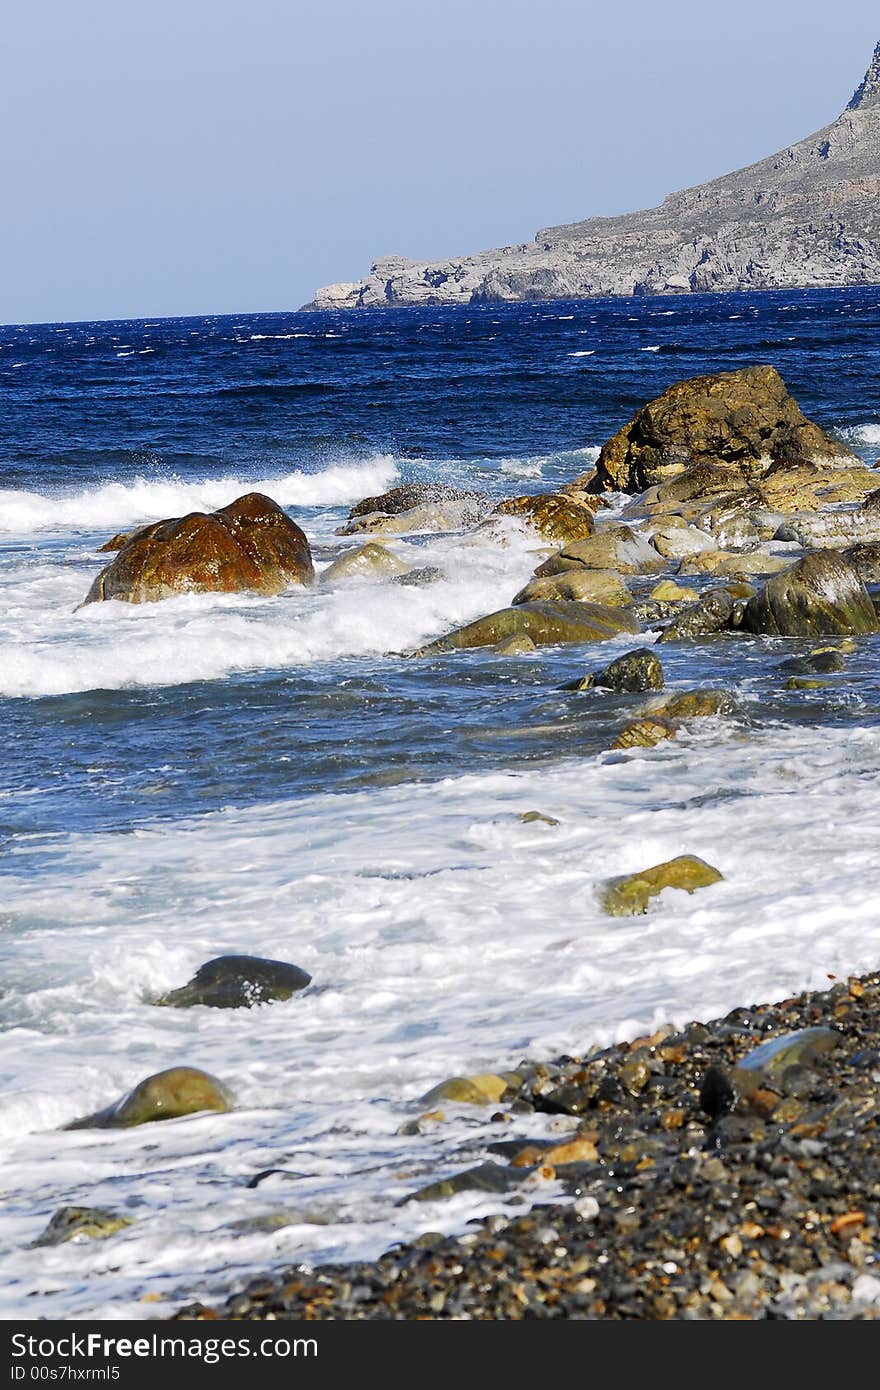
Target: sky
{"x": 170, "y": 157}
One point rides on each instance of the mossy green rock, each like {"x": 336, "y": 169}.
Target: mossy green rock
{"x": 821, "y": 594}
{"x": 164, "y": 1096}
{"x": 713, "y": 612}
{"x": 545, "y": 623}
{"x": 630, "y": 894}
{"x": 81, "y": 1223}
{"x": 237, "y": 982}
{"x": 580, "y": 585}
{"x": 370, "y": 561}
{"x": 613, "y": 548}
{"x": 483, "y": 1089}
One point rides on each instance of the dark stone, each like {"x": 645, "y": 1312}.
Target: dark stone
{"x": 822, "y": 594}
{"x": 409, "y": 495}
{"x": 237, "y": 982}
{"x": 713, "y": 612}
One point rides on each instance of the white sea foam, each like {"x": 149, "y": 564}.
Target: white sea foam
{"x": 863, "y": 434}
{"x": 444, "y": 936}
{"x": 112, "y": 506}
{"x": 650, "y": 349}
{"x": 49, "y": 647}
{"x": 588, "y": 352}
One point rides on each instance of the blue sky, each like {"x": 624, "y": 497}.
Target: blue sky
{"x": 211, "y": 156}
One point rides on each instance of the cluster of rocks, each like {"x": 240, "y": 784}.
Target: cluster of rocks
{"x": 726, "y": 1170}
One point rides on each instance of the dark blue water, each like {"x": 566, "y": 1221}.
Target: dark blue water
{"x": 451, "y": 394}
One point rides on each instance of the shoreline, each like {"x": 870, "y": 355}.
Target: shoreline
{"x": 709, "y": 1190}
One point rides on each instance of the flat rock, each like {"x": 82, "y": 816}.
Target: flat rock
{"x": 611, "y": 548}
{"x": 409, "y": 495}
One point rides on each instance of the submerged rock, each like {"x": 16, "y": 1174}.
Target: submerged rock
{"x": 237, "y": 982}
{"x": 820, "y": 594}
{"x": 484, "y": 1089}
{"x": 452, "y": 514}
{"x": 486, "y": 1177}
{"x": 249, "y": 546}
{"x": 630, "y": 894}
{"x": 713, "y": 612}
{"x": 516, "y": 646}
{"x": 81, "y": 1223}
{"x": 698, "y": 704}
{"x": 545, "y": 623}
{"x": 745, "y": 419}
{"x": 164, "y": 1096}
{"x": 370, "y": 561}
{"x": 420, "y": 578}
{"x": 646, "y": 732}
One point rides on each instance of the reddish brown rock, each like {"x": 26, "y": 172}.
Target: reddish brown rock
{"x": 249, "y": 546}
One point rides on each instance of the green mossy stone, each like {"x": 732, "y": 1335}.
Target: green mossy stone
{"x": 629, "y": 894}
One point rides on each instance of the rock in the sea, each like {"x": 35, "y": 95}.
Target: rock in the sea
{"x": 486, "y": 1088}
{"x": 735, "y": 563}
{"x": 866, "y": 559}
{"x": 516, "y": 646}
{"x": 409, "y": 495}
{"x": 370, "y": 561}
{"x": 631, "y": 674}
{"x": 486, "y": 1177}
{"x": 249, "y": 546}
{"x": 612, "y": 548}
{"x": 545, "y": 623}
{"x": 555, "y": 517}
{"x": 646, "y": 732}
{"x": 746, "y": 419}
{"x": 681, "y": 542}
{"x": 629, "y": 894}
{"x": 237, "y": 982}
{"x": 712, "y": 612}
{"x": 822, "y": 662}
{"x": 164, "y": 1096}
{"x": 667, "y": 591}
{"x": 579, "y": 585}
{"x": 698, "y": 704}
{"x": 420, "y": 578}
{"x": 820, "y": 595}
{"x": 79, "y": 1224}
{"x": 451, "y": 514}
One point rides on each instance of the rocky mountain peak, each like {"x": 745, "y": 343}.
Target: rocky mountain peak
{"x": 868, "y": 93}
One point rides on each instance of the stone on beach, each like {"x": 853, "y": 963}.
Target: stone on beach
{"x": 251, "y": 546}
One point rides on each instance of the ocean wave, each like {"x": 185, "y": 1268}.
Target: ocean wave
{"x": 112, "y": 506}
{"x": 862, "y": 434}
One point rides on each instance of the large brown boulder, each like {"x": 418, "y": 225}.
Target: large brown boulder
{"x": 822, "y": 594}
{"x": 746, "y": 419}
{"x": 249, "y": 546}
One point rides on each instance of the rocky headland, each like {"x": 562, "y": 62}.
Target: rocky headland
{"x": 806, "y": 217}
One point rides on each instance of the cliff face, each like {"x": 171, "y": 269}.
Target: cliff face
{"x": 806, "y": 217}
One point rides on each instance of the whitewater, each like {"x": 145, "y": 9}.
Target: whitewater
{"x": 228, "y": 773}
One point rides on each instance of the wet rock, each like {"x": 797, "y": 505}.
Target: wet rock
{"x": 555, "y": 517}
{"x": 646, "y": 732}
{"x": 820, "y": 594}
{"x": 578, "y": 1150}
{"x": 163, "y": 1096}
{"x": 698, "y": 704}
{"x": 409, "y": 495}
{"x": 530, "y": 817}
{"x": 713, "y": 612}
{"x": 237, "y": 982}
{"x": 249, "y": 546}
{"x": 486, "y": 1177}
{"x": 681, "y": 542}
{"x": 822, "y": 662}
{"x": 516, "y": 646}
{"x": 580, "y": 585}
{"x": 613, "y": 548}
{"x": 629, "y": 894}
{"x": 723, "y": 562}
{"x": 483, "y": 1089}
{"x": 667, "y": 591}
{"x": 370, "y": 561}
{"x": 420, "y": 578}
{"x": 805, "y": 683}
{"x": 451, "y": 515}
{"x": 866, "y": 559}
{"x": 545, "y": 623}
{"x": 746, "y": 419}
{"x": 731, "y": 527}
{"x": 81, "y": 1224}
{"x": 630, "y": 674}
{"x": 757, "y": 1083}
{"x": 834, "y": 529}
{"x": 117, "y": 542}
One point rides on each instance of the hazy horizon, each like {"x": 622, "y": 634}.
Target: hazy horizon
{"x": 214, "y": 159}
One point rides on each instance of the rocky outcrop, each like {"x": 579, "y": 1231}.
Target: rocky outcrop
{"x": 744, "y": 421}
{"x": 249, "y": 546}
{"x": 807, "y": 216}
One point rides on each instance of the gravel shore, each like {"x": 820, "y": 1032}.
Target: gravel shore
{"x": 709, "y": 1181}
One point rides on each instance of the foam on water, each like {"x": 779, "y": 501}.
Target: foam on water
{"x": 444, "y": 936}
{"x": 116, "y": 505}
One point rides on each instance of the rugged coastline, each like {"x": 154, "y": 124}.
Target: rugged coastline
{"x": 805, "y": 217}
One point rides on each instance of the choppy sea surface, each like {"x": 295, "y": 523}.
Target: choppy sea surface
{"x": 220, "y": 774}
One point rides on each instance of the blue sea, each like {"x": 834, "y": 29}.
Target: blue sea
{"x": 279, "y": 776}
